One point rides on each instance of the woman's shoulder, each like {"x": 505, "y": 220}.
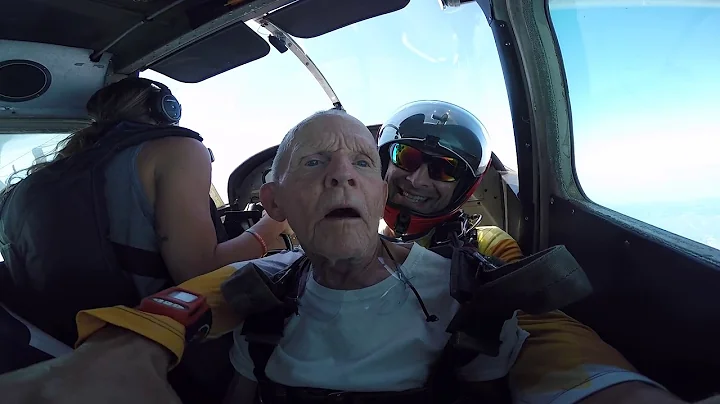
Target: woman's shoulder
{"x": 178, "y": 144}
{"x": 171, "y": 150}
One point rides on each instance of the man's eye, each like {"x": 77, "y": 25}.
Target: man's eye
{"x": 363, "y": 163}
{"x": 312, "y": 163}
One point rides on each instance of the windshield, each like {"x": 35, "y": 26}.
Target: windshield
{"x": 374, "y": 67}
{"x": 20, "y": 151}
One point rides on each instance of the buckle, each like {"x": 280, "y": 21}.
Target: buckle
{"x": 339, "y": 397}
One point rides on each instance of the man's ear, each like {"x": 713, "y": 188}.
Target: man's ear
{"x": 269, "y": 199}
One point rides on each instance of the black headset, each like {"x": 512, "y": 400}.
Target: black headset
{"x": 163, "y": 105}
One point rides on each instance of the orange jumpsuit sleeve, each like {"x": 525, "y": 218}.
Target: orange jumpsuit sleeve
{"x": 162, "y": 329}
{"x": 562, "y": 360}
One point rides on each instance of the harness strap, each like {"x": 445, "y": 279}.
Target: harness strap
{"x": 489, "y": 292}
{"x": 275, "y": 393}
{"x": 263, "y": 331}
{"x": 260, "y": 354}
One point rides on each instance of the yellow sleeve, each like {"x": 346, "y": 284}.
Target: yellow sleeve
{"x": 495, "y": 242}
{"x": 562, "y": 360}
{"x": 161, "y": 329}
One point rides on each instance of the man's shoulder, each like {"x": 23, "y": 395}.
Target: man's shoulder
{"x": 425, "y": 263}
{"x": 421, "y": 255}
{"x": 494, "y": 241}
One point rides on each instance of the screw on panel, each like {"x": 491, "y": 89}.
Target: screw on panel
{"x": 627, "y": 243}
{"x": 552, "y": 201}
{"x": 527, "y": 218}
{"x": 572, "y": 212}
{"x": 507, "y": 43}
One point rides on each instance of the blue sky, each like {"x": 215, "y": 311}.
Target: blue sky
{"x": 644, "y": 90}
{"x": 374, "y": 66}
{"x": 643, "y": 85}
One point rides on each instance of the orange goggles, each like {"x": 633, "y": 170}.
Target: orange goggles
{"x": 408, "y": 158}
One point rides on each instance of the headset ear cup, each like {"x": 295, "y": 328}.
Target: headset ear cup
{"x": 160, "y": 102}
{"x": 164, "y": 101}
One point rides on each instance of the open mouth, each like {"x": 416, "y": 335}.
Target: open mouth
{"x": 343, "y": 213}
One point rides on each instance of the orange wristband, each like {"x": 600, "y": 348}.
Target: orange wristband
{"x": 259, "y": 240}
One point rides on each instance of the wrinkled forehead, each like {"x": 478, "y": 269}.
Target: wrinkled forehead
{"x": 331, "y": 133}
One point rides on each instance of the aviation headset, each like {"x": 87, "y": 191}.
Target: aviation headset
{"x": 163, "y": 105}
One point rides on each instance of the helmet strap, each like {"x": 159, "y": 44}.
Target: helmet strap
{"x": 402, "y": 223}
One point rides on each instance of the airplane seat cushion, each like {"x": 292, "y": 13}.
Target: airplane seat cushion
{"x": 15, "y": 349}
{"x": 236, "y": 222}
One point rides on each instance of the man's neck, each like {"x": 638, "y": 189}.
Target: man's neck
{"x": 356, "y": 272}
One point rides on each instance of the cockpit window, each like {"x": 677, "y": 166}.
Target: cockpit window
{"x": 643, "y": 84}
{"x": 374, "y": 66}
{"x": 20, "y": 151}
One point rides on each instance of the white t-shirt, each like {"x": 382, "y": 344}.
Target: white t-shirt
{"x": 375, "y": 338}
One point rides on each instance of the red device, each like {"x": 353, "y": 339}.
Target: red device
{"x": 187, "y": 308}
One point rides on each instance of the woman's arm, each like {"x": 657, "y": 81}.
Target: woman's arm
{"x": 188, "y": 242}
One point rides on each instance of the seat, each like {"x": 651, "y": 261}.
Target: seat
{"x": 22, "y": 344}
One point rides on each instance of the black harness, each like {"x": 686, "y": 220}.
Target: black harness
{"x": 54, "y": 230}
{"x": 489, "y": 293}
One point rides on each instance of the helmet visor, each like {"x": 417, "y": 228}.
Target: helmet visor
{"x": 440, "y": 128}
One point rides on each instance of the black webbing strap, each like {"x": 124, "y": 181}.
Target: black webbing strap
{"x": 263, "y": 331}
{"x": 275, "y": 393}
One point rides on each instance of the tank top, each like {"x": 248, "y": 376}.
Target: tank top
{"x": 130, "y": 213}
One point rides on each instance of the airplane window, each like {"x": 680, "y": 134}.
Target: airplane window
{"x": 20, "y": 151}
{"x": 374, "y": 67}
{"x": 643, "y": 85}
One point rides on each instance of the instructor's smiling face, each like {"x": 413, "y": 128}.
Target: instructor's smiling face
{"x": 417, "y": 191}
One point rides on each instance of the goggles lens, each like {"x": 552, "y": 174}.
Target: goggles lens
{"x": 408, "y": 158}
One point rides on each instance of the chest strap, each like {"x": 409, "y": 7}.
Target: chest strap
{"x": 274, "y": 393}
{"x": 263, "y": 331}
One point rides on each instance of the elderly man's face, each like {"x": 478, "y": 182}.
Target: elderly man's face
{"x": 331, "y": 191}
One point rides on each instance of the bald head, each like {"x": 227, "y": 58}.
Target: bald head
{"x": 317, "y": 122}
{"x": 327, "y": 184}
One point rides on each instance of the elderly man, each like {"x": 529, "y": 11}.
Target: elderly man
{"x": 372, "y": 314}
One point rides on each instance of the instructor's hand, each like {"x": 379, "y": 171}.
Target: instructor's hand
{"x": 114, "y": 367}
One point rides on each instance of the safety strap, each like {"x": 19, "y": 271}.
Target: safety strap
{"x": 263, "y": 331}
{"x": 488, "y": 291}
{"x": 489, "y": 294}
{"x": 274, "y": 393}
